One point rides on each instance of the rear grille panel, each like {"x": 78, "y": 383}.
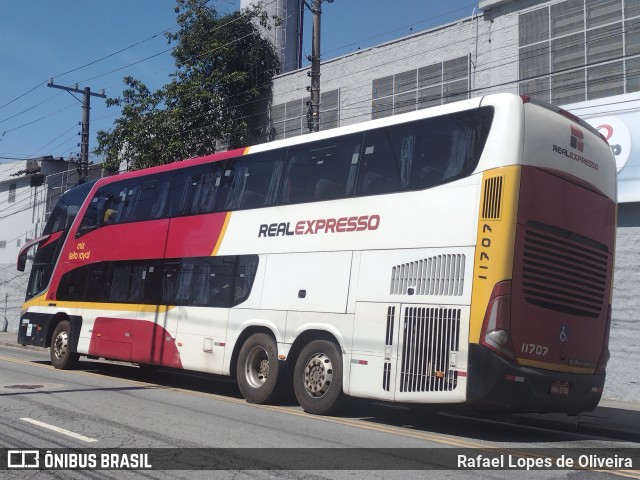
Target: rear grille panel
{"x": 429, "y": 338}
{"x": 564, "y": 272}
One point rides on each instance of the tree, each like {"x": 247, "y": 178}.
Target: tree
{"x": 221, "y": 85}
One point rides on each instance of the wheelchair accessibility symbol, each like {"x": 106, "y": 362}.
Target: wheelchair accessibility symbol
{"x": 564, "y": 334}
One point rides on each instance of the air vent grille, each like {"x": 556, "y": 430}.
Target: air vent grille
{"x": 492, "y": 202}
{"x": 438, "y": 275}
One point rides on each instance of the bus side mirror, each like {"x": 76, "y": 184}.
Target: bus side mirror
{"x": 22, "y": 256}
{"x": 22, "y": 261}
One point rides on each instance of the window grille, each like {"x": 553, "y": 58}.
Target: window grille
{"x": 427, "y": 86}
{"x": 579, "y": 50}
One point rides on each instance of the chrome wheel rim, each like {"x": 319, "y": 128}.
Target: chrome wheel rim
{"x": 257, "y": 367}
{"x": 61, "y": 345}
{"x": 318, "y": 375}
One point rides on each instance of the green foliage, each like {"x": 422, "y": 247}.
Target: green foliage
{"x": 220, "y": 87}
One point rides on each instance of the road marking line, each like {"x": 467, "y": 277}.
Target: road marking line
{"x": 59, "y": 430}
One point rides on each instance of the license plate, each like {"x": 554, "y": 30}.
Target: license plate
{"x": 560, "y": 388}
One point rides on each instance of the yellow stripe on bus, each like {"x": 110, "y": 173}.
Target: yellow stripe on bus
{"x": 36, "y": 301}
{"x": 555, "y": 366}
{"x": 122, "y": 307}
{"x": 221, "y": 235}
{"x": 495, "y": 241}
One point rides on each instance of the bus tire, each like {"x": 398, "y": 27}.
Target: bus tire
{"x": 317, "y": 378}
{"x": 62, "y": 357}
{"x": 258, "y": 368}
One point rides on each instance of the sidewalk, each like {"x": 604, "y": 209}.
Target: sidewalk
{"x": 612, "y": 418}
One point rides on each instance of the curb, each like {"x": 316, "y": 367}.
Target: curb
{"x": 14, "y": 344}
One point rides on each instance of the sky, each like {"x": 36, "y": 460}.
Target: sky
{"x": 96, "y": 43}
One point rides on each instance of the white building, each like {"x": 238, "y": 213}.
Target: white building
{"x": 284, "y": 30}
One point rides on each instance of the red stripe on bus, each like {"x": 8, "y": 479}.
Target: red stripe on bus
{"x": 194, "y": 236}
{"x": 136, "y": 341}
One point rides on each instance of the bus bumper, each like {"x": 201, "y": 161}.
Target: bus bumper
{"x": 34, "y": 329}
{"x": 496, "y": 384}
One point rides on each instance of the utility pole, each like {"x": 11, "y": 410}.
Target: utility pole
{"x": 83, "y": 165}
{"x": 314, "y": 121}
{"x": 313, "y": 107}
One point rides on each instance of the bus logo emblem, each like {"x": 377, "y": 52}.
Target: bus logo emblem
{"x": 577, "y": 139}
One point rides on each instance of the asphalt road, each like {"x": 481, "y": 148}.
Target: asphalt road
{"x": 108, "y": 405}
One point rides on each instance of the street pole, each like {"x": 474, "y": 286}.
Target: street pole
{"x": 314, "y": 124}
{"x": 83, "y": 167}
{"x": 313, "y": 106}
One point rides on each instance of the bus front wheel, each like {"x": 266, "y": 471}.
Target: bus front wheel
{"x": 61, "y": 355}
{"x": 317, "y": 378}
{"x": 258, "y": 368}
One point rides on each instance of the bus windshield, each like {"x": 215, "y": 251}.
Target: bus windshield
{"x": 49, "y": 245}
{"x": 65, "y": 211}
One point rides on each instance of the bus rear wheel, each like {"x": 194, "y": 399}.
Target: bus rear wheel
{"x": 62, "y": 357}
{"x": 317, "y": 378}
{"x": 258, "y": 369}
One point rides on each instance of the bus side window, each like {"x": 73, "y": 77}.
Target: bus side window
{"x": 213, "y": 282}
{"x": 443, "y": 148}
{"x": 73, "y": 283}
{"x": 149, "y": 199}
{"x": 198, "y": 190}
{"x": 168, "y": 282}
{"x": 120, "y": 282}
{"x": 255, "y": 180}
{"x": 322, "y": 170}
{"x": 152, "y": 280}
{"x": 138, "y": 277}
{"x": 380, "y": 166}
{"x": 184, "y": 281}
{"x": 245, "y": 275}
{"x": 204, "y": 197}
{"x": 129, "y": 196}
{"x": 433, "y": 148}
{"x": 96, "y": 283}
{"x": 108, "y": 209}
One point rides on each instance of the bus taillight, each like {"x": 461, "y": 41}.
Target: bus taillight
{"x": 496, "y": 328}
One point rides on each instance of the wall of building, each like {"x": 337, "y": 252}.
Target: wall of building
{"x": 625, "y": 324}
{"x": 353, "y": 74}
{"x": 284, "y": 28}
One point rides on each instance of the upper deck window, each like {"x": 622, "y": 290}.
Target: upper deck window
{"x": 408, "y": 156}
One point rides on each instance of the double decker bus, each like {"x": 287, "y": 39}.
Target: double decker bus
{"x": 460, "y": 254}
